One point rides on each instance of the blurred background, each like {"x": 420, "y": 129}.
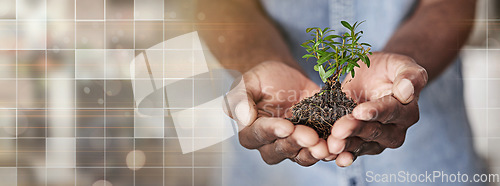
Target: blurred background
{"x": 481, "y": 75}
{"x": 67, "y": 105}
{"x": 66, "y": 99}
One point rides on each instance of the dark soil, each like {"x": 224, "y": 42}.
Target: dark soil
{"x": 321, "y": 110}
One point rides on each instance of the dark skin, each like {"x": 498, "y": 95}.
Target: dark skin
{"x": 434, "y": 49}
{"x": 242, "y": 21}
{"x": 389, "y": 106}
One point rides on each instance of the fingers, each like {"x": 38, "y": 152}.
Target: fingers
{"x": 404, "y": 91}
{"x": 290, "y": 147}
{"x": 330, "y": 157}
{"x": 387, "y": 110}
{"x": 363, "y": 131}
{"x": 304, "y": 158}
{"x": 320, "y": 150}
{"x": 354, "y": 145}
{"x": 368, "y": 148}
{"x": 265, "y": 130}
{"x": 304, "y": 136}
{"x": 358, "y": 148}
{"x": 344, "y": 159}
{"x": 409, "y": 80}
{"x": 239, "y": 102}
{"x": 278, "y": 151}
{"x": 347, "y": 126}
{"x": 387, "y": 135}
{"x": 336, "y": 145}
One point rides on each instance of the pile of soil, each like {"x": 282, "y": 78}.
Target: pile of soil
{"x": 321, "y": 110}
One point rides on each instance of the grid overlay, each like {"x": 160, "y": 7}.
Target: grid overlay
{"x": 480, "y": 76}
{"x": 78, "y": 144}
{"x": 82, "y": 145}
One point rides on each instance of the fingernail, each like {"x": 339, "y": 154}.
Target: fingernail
{"x": 280, "y": 132}
{"x": 339, "y": 134}
{"x": 330, "y": 158}
{"x": 405, "y": 88}
{"x": 366, "y": 115}
{"x": 349, "y": 163}
{"x": 340, "y": 146}
{"x": 242, "y": 111}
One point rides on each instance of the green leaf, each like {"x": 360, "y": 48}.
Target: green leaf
{"x": 306, "y": 43}
{"x": 331, "y": 37}
{"x": 324, "y": 58}
{"x": 329, "y": 73}
{"x": 346, "y": 24}
{"x": 316, "y": 67}
{"x": 355, "y": 59}
{"x": 343, "y": 55}
{"x": 359, "y": 24}
{"x": 354, "y": 63}
{"x": 307, "y": 56}
{"x": 366, "y": 44}
{"x": 363, "y": 58}
{"x": 322, "y": 73}
{"x": 353, "y": 73}
{"x": 349, "y": 68}
{"x": 333, "y": 43}
{"x": 367, "y": 62}
{"x": 316, "y": 44}
{"x": 343, "y": 71}
{"x": 342, "y": 60}
{"x": 310, "y": 29}
{"x": 320, "y": 32}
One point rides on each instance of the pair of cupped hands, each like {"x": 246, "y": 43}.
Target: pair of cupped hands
{"x": 387, "y": 95}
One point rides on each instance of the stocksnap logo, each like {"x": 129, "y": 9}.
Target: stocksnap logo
{"x": 177, "y": 88}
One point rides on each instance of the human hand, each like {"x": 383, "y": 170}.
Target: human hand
{"x": 387, "y": 94}
{"x": 259, "y": 103}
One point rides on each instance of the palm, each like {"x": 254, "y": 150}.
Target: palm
{"x": 374, "y": 82}
{"x": 277, "y": 94}
{"x": 261, "y": 103}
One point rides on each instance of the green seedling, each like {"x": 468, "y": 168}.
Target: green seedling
{"x": 336, "y": 54}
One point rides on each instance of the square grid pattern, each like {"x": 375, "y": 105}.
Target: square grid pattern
{"x": 67, "y": 110}
{"x": 480, "y": 69}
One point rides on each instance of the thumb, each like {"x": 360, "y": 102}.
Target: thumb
{"x": 239, "y": 103}
{"x": 408, "y": 83}
{"x": 404, "y": 91}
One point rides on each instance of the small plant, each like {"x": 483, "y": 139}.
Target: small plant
{"x": 335, "y": 56}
